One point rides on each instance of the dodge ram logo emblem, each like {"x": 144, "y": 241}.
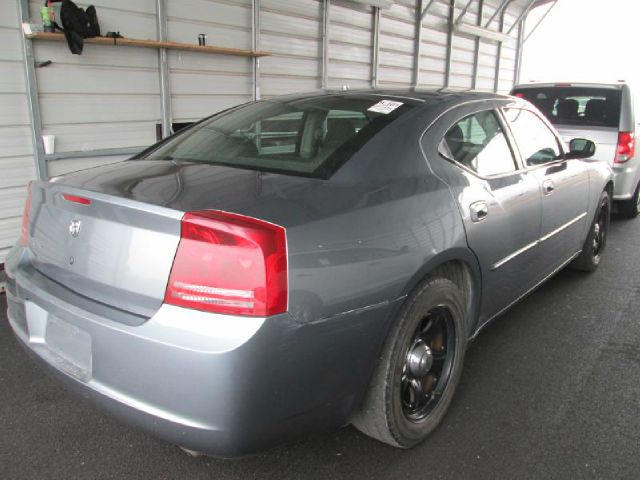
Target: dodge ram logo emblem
{"x": 74, "y": 228}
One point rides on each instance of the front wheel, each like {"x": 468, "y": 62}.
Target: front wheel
{"x": 420, "y": 367}
{"x": 596, "y": 241}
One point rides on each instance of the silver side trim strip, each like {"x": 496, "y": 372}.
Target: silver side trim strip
{"x": 563, "y": 227}
{"x": 513, "y": 255}
{"x": 498, "y": 264}
{"x": 556, "y": 270}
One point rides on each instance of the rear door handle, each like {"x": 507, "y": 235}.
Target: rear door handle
{"x": 548, "y": 187}
{"x": 479, "y": 211}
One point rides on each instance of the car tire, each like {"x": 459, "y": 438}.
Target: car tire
{"x": 432, "y": 322}
{"x": 596, "y": 241}
{"x": 630, "y": 208}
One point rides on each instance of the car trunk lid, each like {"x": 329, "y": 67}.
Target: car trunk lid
{"x": 114, "y": 250}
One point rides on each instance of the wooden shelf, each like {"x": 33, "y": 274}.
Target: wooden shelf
{"x": 132, "y": 42}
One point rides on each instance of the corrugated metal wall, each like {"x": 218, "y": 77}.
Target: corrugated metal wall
{"x": 16, "y": 150}
{"x": 110, "y": 97}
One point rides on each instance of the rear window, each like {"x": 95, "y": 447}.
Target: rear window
{"x": 309, "y": 137}
{"x": 586, "y": 106}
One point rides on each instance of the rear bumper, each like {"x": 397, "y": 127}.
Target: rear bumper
{"x": 626, "y": 176}
{"x": 217, "y": 384}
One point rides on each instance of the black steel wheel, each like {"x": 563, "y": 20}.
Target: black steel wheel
{"x": 420, "y": 367}
{"x": 596, "y": 241}
{"x": 428, "y": 361}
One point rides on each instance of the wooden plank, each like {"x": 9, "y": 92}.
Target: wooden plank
{"x": 132, "y": 42}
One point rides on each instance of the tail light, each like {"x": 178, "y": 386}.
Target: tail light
{"x": 626, "y": 147}
{"x": 24, "y": 230}
{"x": 228, "y": 263}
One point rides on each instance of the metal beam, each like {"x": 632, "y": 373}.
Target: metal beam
{"x": 375, "y": 60}
{"x": 326, "y": 10}
{"x": 476, "y": 49}
{"x": 518, "y": 60}
{"x": 101, "y": 152}
{"x": 163, "y": 67}
{"x": 553, "y": 4}
{"x": 452, "y": 13}
{"x": 255, "y": 46}
{"x": 496, "y": 79}
{"x": 464, "y": 10}
{"x": 32, "y": 94}
{"x": 498, "y": 11}
{"x": 523, "y": 14}
{"x": 425, "y": 10}
{"x": 417, "y": 49}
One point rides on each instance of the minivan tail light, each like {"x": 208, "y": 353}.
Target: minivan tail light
{"x": 24, "y": 229}
{"x": 229, "y": 263}
{"x": 626, "y": 147}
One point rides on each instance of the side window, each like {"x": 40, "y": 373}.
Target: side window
{"x": 479, "y": 143}
{"x": 537, "y": 143}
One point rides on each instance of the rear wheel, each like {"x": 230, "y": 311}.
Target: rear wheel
{"x": 630, "y": 208}
{"x": 596, "y": 240}
{"x": 414, "y": 383}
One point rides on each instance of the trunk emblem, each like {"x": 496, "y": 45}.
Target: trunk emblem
{"x": 74, "y": 228}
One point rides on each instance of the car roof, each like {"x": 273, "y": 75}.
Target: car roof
{"x": 417, "y": 96}
{"x": 614, "y": 85}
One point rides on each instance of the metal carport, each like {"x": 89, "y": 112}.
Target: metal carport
{"x": 110, "y": 102}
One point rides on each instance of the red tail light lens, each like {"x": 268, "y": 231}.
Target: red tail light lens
{"x": 626, "y": 147}
{"x": 76, "y": 199}
{"x": 228, "y": 263}
{"x": 24, "y": 229}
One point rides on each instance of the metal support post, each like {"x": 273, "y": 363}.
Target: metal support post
{"x": 326, "y": 11}
{"x": 476, "y": 48}
{"x": 32, "y": 95}
{"x": 255, "y": 46}
{"x": 496, "y": 79}
{"x": 375, "y": 60}
{"x": 163, "y": 67}
{"x": 518, "y": 60}
{"x": 450, "y": 20}
{"x": 417, "y": 49}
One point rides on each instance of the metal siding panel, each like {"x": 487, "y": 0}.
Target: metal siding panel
{"x": 10, "y": 47}
{"x": 86, "y": 109}
{"x": 60, "y": 167}
{"x": 15, "y": 141}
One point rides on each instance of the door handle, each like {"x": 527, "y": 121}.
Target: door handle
{"x": 548, "y": 187}
{"x": 479, "y": 211}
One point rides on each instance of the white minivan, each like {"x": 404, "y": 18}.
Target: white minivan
{"x": 603, "y": 113}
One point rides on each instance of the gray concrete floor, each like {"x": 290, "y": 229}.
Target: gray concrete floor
{"x": 550, "y": 390}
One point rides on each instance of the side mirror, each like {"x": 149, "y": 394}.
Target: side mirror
{"x": 581, "y": 148}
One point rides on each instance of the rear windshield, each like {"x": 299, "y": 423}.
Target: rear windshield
{"x": 576, "y": 105}
{"x": 309, "y": 137}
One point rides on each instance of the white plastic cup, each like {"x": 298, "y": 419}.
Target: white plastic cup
{"x": 49, "y": 144}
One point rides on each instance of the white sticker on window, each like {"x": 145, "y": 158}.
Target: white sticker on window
{"x": 385, "y": 106}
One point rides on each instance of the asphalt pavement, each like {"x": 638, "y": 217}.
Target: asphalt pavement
{"x": 550, "y": 390}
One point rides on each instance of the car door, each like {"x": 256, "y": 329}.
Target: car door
{"x": 500, "y": 204}
{"x": 564, "y": 184}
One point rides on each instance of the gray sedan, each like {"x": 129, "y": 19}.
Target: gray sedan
{"x": 301, "y": 263}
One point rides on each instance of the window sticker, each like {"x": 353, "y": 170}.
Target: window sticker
{"x": 385, "y": 106}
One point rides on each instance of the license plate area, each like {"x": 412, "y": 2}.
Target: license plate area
{"x": 69, "y": 348}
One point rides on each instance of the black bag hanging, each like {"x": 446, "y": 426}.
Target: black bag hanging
{"x": 78, "y": 24}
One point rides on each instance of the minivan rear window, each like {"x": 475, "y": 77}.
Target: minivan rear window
{"x": 588, "y": 106}
{"x": 310, "y": 136}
